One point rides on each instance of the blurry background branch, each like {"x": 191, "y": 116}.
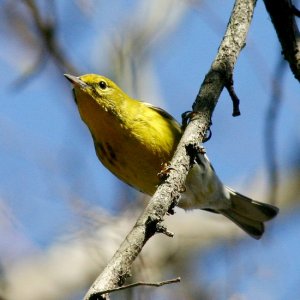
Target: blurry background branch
{"x": 73, "y": 260}
{"x": 282, "y": 13}
{"x": 270, "y": 129}
{"x": 46, "y": 29}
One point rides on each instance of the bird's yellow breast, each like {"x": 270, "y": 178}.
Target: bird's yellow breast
{"x": 132, "y": 139}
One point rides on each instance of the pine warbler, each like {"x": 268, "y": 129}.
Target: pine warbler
{"x": 133, "y": 139}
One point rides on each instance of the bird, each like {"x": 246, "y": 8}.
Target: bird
{"x": 134, "y": 139}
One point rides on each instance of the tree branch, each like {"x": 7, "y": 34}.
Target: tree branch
{"x": 47, "y": 30}
{"x": 135, "y": 284}
{"x": 168, "y": 193}
{"x": 282, "y": 14}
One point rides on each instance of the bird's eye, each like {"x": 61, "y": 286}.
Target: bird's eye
{"x": 103, "y": 85}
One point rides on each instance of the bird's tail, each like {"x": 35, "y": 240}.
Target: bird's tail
{"x": 248, "y": 214}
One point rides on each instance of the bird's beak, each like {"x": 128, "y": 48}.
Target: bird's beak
{"x": 76, "y": 81}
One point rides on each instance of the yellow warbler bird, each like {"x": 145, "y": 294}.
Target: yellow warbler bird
{"x": 133, "y": 139}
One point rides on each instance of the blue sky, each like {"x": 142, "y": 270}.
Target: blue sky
{"x": 46, "y": 153}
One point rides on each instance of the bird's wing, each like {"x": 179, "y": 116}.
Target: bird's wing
{"x": 164, "y": 114}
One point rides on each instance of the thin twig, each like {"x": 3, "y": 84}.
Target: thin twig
{"x": 160, "y": 228}
{"x": 235, "y": 100}
{"x": 128, "y": 286}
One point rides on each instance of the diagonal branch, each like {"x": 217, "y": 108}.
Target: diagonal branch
{"x": 47, "y": 30}
{"x": 168, "y": 193}
{"x": 282, "y": 14}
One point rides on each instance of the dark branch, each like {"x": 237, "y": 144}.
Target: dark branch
{"x": 235, "y": 100}
{"x": 282, "y": 14}
{"x": 295, "y": 11}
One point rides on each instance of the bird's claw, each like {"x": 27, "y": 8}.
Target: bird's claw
{"x": 164, "y": 173}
